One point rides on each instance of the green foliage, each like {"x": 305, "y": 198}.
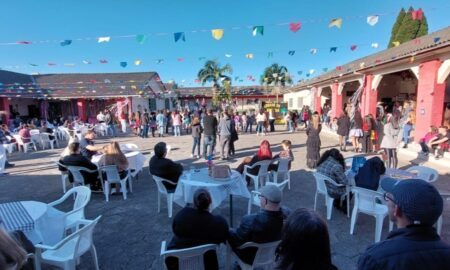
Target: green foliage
{"x": 408, "y": 29}
{"x": 213, "y": 72}
{"x": 396, "y": 26}
{"x": 276, "y": 75}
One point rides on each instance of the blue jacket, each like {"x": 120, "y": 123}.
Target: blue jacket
{"x": 410, "y": 248}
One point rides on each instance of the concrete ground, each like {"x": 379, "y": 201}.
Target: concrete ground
{"x": 130, "y": 232}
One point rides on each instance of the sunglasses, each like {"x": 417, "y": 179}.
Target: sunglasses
{"x": 387, "y": 198}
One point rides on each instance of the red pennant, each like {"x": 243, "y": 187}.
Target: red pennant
{"x": 294, "y": 27}
{"x": 103, "y": 61}
{"x": 353, "y": 47}
{"x": 417, "y": 14}
{"x": 24, "y": 42}
{"x": 338, "y": 68}
{"x": 197, "y": 80}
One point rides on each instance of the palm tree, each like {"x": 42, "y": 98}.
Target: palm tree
{"x": 276, "y": 76}
{"x": 213, "y": 72}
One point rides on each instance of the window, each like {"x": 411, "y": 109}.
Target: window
{"x": 167, "y": 103}
{"x": 152, "y": 104}
{"x": 299, "y": 102}
{"x": 291, "y": 103}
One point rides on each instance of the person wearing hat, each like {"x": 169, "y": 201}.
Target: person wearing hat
{"x": 414, "y": 205}
{"x": 263, "y": 227}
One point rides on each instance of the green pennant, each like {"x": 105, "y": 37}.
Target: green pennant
{"x": 141, "y": 38}
{"x": 258, "y": 30}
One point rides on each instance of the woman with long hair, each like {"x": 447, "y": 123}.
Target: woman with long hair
{"x": 264, "y": 153}
{"x": 114, "y": 156}
{"x": 261, "y": 118}
{"x": 305, "y": 243}
{"x": 343, "y": 129}
{"x": 313, "y": 141}
{"x": 391, "y": 139}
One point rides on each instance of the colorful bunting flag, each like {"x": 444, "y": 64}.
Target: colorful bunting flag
{"x": 270, "y": 55}
{"x": 87, "y": 62}
{"x": 417, "y": 14}
{"x": 372, "y": 20}
{"x": 307, "y": 74}
{"x": 311, "y": 71}
{"x": 51, "y": 64}
{"x": 313, "y": 51}
{"x": 33, "y": 65}
{"x": 103, "y": 39}
{"x": 333, "y": 49}
{"x": 228, "y": 55}
{"x": 396, "y": 43}
{"x": 236, "y": 78}
{"x": 336, "y": 23}
{"x": 436, "y": 39}
{"x": 353, "y": 47}
{"x": 258, "y": 30}
{"x": 123, "y": 64}
{"x": 201, "y": 58}
{"x": 66, "y": 42}
{"x": 374, "y": 45}
{"x": 325, "y": 69}
{"x": 137, "y": 62}
{"x": 217, "y": 34}
{"x": 24, "y": 42}
{"x": 295, "y": 26}
{"x": 291, "y": 53}
{"x": 180, "y": 59}
{"x": 141, "y": 38}
{"x": 300, "y": 72}
{"x": 362, "y": 65}
{"x": 160, "y": 61}
{"x": 338, "y": 68}
{"x": 249, "y": 56}
{"x": 179, "y": 36}
{"x": 103, "y": 61}
{"x": 69, "y": 64}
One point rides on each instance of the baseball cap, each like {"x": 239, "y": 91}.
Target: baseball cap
{"x": 271, "y": 193}
{"x": 419, "y": 200}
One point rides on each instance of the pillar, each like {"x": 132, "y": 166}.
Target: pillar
{"x": 430, "y": 98}
{"x": 317, "y": 102}
{"x": 336, "y": 100}
{"x": 4, "y": 110}
{"x": 82, "y": 109}
{"x": 369, "y": 97}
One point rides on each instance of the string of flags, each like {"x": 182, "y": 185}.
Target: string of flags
{"x": 218, "y": 34}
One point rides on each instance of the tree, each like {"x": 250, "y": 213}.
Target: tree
{"x": 276, "y": 76}
{"x": 213, "y": 72}
{"x": 409, "y": 29}
{"x": 396, "y": 26}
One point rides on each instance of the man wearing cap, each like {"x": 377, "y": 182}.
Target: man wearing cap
{"x": 414, "y": 206}
{"x": 262, "y": 227}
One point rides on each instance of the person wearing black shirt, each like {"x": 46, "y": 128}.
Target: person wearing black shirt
{"x": 210, "y": 124}
{"x": 165, "y": 168}
{"x": 87, "y": 147}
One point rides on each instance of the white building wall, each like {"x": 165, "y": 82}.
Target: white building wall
{"x": 139, "y": 104}
{"x": 296, "y": 100}
{"x": 21, "y": 104}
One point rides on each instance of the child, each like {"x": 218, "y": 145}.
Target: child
{"x": 286, "y": 153}
{"x": 426, "y": 139}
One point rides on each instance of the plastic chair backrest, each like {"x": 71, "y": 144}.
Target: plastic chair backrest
{"x": 2, "y": 158}
{"x": 425, "y": 173}
{"x": 281, "y": 185}
{"x": 159, "y": 183}
{"x": 45, "y": 136}
{"x": 76, "y": 173}
{"x": 320, "y": 182}
{"x": 265, "y": 256}
{"x": 283, "y": 165}
{"x": 188, "y": 258}
{"x": 83, "y": 196}
{"x": 112, "y": 174}
{"x": 263, "y": 166}
{"x": 34, "y": 132}
{"x": 18, "y": 139}
{"x": 366, "y": 199}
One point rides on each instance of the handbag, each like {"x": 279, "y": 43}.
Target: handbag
{"x": 357, "y": 163}
{"x": 222, "y": 172}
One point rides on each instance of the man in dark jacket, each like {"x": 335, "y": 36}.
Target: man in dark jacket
{"x": 414, "y": 206}
{"x": 263, "y": 227}
{"x": 165, "y": 168}
{"x": 209, "y": 133}
{"x": 368, "y": 175}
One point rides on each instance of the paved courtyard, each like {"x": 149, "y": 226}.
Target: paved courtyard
{"x": 130, "y": 232}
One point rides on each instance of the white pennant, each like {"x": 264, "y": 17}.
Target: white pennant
{"x": 104, "y": 39}
{"x": 372, "y": 20}
{"x": 374, "y": 45}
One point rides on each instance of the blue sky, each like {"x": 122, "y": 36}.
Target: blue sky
{"x": 55, "y": 20}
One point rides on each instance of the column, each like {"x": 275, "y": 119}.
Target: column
{"x": 336, "y": 100}
{"x": 317, "y": 102}
{"x": 430, "y": 98}
{"x": 4, "y": 110}
{"x": 82, "y": 110}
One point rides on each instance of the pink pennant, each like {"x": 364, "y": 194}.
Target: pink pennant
{"x": 353, "y": 47}
{"x": 103, "y": 61}
{"x": 180, "y": 59}
{"x": 51, "y": 64}
{"x": 24, "y": 42}
{"x": 197, "y": 81}
{"x": 295, "y": 26}
{"x": 417, "y": 14}
{"x": 338, "y": 68}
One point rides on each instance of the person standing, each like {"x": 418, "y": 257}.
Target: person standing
{"x": 244, "y": 120}
{"x": 144, "y": 124}
{"x": 123, "y": 122}
{"x": 313, "y": 141}
{"x": 390, "y": 140}
{"x": 161, "y": 123}
{"x": 176, "y": 123}
{"x": 234, "y": 137}
{"x": 260, "y": 120}
{"x": 367, "y": 128}
{"x": 209, "y": 131}
{"x": 224, "y": 129}
{"x": 197, "y": 136}
{"x": 272, "y": 121}
{"x": 250, "y": 121}
{"x": 343, "y": 124}
{"x": 109, "y": 121}
{"x": 356, "y": 131}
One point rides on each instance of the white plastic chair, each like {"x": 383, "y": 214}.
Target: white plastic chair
{"x": 264, "y": 257}
{"x": 45, "y": 139}
{"x": 188, "y": 258}
{"x": 425, "y": 173}
{"x": 67, "y": 252}
{"x": 263, "y": 173}
{"x": 132, "y": 164}
{"x": 65, "y": 133}
{"x": 24, "y": 145}
{"x": 10, "y": 146}
{"x": 366, "y": 202}
{"x": 254, "y": 195}
{"x": 78, "y": 178}
{"x": 82, "y": 196}
{"x": 100, "y": 129}
{"x": 129, "y": 147}
{"x": 113, "y": 177}
{"x": 64, "y": 176}
{"x": 322, "y": 189}
{"x": 162, "y": 190}
{"x": 282, "y": 173}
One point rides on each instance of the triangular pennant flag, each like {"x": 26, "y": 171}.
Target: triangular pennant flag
{"x": 178, "y": 36}
{"x": 333, "y": 49}
{"x": 241, "y": 80}
{"x": 33, "y": 65}
{"x": 236, "y": 78}
{"x": 372, "y": 20}
{"x": 436, "y": 39}
{"x": 336, "y": 23}
{"x": 325, "y": 69}
{"x": 217, "y": 34}
{"x": 353, "y": 47}
{"x": 66, "y": 42}
{"x": 103, "y": 61}
{"x": 291, "y": 53}
{"x": 141, "y": 38}
{"x": 374, "y": 45}
{"x": 295, "y": 26}
{"x": 338, "y": 68}
{"x": 362, "y": 65}
{"x": 228, "y": 55}
{"x": 103, "y": 39}
{"x": 51, "y": 64}
{"x": 180, "y": 59}
{"x": 396, "y": 43}
{"x": 249, "y": 55}
{"x": 311, "y": 71}
{"x": 137, "y": 62}
{"x": 299, "y": 72}
{"x": 201, "y": 58}
{"x": 258, "y": 30}
{"x": 69, "y": 64}
{"x": 87, "y": 62}
{"x": 269, "y": 54}
{"x": 160, "y": 61}
{"x": 417, "y": 14}
{"x": 123, "y": 64}
{"x": 307, "y": 74}
{"x": 24, "y": 42}
{"x": 313, "y": 51}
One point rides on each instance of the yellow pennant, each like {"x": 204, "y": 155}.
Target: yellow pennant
{"x": 249, "y": 55}
{"x": 137, "y": 62}
{"x": 396, "y": 43}
{"x": 217, "y": 34}
{"x": 336, "y": 23}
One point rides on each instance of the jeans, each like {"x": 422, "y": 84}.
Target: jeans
{"x": 111, "y": 128}
{"x": 209, "y": 140}
{"x": 259, "y": 127}
{"x": 406, "y": 131}
{"x": 144, "y": 131}
{"x": 176, "y": 130}
{"x": 224, "y": 145}
{"x": 249, "y": 125}
{"x": 291, "y": 125}
{"x": 196, "y": 144}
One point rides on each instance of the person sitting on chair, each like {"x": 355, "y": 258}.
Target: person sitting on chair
{"x": 164, "y": 167}
{"x": 195, "y": 226}
{"x": 264, "y": 153}
{"x": 263, "y": 227}
{"x": 87, "y": 147}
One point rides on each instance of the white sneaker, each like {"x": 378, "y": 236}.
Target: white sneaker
{"x": 192, "y": 155}
{"x": 197, "y": 156}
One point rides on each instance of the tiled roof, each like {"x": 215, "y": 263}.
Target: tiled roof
{"x": 438, "y": 39}
{"x": 254, "y": 90}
